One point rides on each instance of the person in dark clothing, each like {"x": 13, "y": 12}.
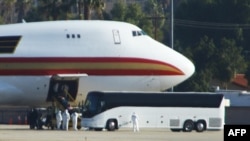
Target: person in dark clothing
{"x": 39, "y": 122}
{"x": 29, "y": 115}
{"x": 32, "y": 117}
{"x": 63, "y": 96}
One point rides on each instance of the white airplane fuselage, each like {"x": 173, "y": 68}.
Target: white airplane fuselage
{"x": 87, "y": 55}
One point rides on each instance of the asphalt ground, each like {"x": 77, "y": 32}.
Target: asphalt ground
{"x": 23, "y": 133}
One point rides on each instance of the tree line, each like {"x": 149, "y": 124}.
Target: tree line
{"x": 212, "y": 33}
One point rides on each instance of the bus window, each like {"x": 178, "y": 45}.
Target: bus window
{"x": 93, "y": 105}
{"x": 90, "y": 106}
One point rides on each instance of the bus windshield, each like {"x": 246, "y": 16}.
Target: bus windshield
{"x": 93, "y": 105}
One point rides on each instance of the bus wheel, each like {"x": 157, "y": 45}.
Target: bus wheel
{"x": 188, "y": 126}
{"x": 200, "y": 126}
{"x": 98, "y": 129}
{"x": 175, "y": 130}
{"x": 79, "y": 127}
{"x": 111, "y": 125}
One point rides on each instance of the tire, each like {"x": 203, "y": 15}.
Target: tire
{"x": 200, "y": 126}
{"x": 188, "y": 126}
{"x": 175, "y": 130}
{"x": 78, "y": 127}
{"x": 98, "y": 129}
{"x": 52, "y": 127}
{"x": 111, "y": 125}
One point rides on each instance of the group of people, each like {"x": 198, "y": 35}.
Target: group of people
{"x": 34, "y": 119}
{"x": 62, "y": 120}
{"x": 61, "y": 93}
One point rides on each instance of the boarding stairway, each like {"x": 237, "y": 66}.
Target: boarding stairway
{"x": 63, "y": 103}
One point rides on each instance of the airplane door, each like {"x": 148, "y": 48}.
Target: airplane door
{"x": 116, "y": 36}
{"x": 58, "y": 83}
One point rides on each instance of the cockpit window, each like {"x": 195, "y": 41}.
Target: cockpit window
{"x": 138, "y": 33}
{"x": 134, "y": 33}
{"x": 143, "y": 32}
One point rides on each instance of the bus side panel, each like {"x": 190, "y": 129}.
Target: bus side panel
{"x": 159, "y": 117}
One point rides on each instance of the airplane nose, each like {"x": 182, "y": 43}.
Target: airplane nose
{"x": 188, "y": 67}
{"x": 181, "y": 68}
{"x": 179, "y": 61}
{"x": 183, "y": 64}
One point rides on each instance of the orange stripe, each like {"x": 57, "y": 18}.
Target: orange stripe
{"x": 143, "y": 65}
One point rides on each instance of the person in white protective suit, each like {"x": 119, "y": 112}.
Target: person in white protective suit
{"x": 135, "y": 123}
{"x": 74, "y": 117}
{"x": 66, "y": 118}
{"x": 59, "y": 119}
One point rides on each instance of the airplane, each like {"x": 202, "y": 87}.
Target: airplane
{"x": 38, "y": 58}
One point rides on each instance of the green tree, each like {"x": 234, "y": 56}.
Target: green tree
{"x": 1, "y": 20}
{"x": 225, "y": 24}
{"x": 97, "y": 5}
{"x": 230, "y": 61}
{"x": 204, "y": 54}
{"x": 118, "y": 11}
{"x": 247, "y": 75}
{"x": 204, "y": 58}
{"x": 215, "y": 18}
{"x": 213, "y": 62}
{"x": 50, "y": 10}
{"x": 8, "y": 11}
{"x": 155, "y": 11}
{"x": 132, "y": 13}
{"x": 22, "y": 7}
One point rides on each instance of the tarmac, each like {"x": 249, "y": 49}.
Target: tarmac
{"x": 23, "y": 133}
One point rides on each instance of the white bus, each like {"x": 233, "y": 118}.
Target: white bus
{"x": 185, "y": 111}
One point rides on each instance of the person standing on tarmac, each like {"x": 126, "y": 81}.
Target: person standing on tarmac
{"x": 66, "y": 118}
{"x": 32, "y": 116}
{"x": 135, "y": 123}
{"x": 74, "y": 117}
{"x": 59, "y": 119}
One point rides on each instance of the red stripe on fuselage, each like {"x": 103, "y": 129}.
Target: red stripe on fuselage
{"x": 88, "y": 72}
{"x": 104, "y": 71}
{"x": 77, "y": 59}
